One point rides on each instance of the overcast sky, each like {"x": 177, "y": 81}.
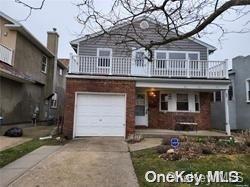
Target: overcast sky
{"x": 61, "y": 15}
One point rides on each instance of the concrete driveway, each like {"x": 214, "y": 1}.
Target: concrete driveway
{"x": 95, "y": 161}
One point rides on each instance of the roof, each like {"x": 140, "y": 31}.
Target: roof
{"x": 63, "y": 63}
{"x": 85, "y": 37}
{"x": 21, "y": 29}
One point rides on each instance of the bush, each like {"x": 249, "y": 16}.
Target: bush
{"x": 206, "y": 151}
{"x": 166, "y": 140}
{"x": 162, "y": 149}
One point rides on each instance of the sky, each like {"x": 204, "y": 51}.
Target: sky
{"x": 61, "y": 14}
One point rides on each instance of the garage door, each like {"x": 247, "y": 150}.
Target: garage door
{"x": 100, "y": 115}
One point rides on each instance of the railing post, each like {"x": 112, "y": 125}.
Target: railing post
{"x": 110, "y": 68}
{"x": 70, "y": 62}
{"x": 226, "y": 68}
{"x": 188, "y": 69}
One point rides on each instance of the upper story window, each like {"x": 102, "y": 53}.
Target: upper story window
{"x": 161, "y": 57}
{"x": 217, "y": 96}
{"x": 44, "y": 64}
{"x": 248, "y": 90}
{"x": 104, "y": 57}
{"x": 182, "y": 102}
{"x": 164, "y": 101}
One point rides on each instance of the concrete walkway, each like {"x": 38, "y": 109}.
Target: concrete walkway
{"x": 145, "y": 144}
{"x": 12, "y": 171}
{"x": 95, "y": 161}
{"x": 161, "y": 133}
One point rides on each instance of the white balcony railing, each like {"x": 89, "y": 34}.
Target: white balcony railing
{"x": 5, "y": 54}
{"x": 157, "y": 68}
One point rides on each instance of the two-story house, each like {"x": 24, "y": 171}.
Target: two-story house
{"x": 32, "y": 79}
{"x": 238, "y": 97}
{"x": 113, "y": 88}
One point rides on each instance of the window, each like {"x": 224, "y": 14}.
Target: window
{"x": 140, "y": 105}
{"x": 248, "y": 89}
{"x": 182, "y": 102}
{"x": 193, "y": 56}
{"x": 44, "y": 64}
{"x": 139, "y": 58}
{"x": 104, "y": 57}
{"x": 53, "y": 103}
{"x": 161, "y": 57}
{"x": 60, "y": 71}
{"x": 164, "y": 102}
{"x": 230, "y": 93}
{"x": 177, "y": 56}
{"x": 197, "y": 102}
{"x": 217, "y": 96}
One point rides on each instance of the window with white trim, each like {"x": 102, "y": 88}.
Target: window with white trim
{"x": 182, "y": 102}
{"x": 60, "y": 71}
{"x": 161, "y": 57}
{"x": 104, "y": 57}
{"x": 248, "y": 90}
{"x": 164, "y": 101}
{"x": 53, "y": 102}
{"x": 197, "y": 102}
{"x": 44, "y": 64}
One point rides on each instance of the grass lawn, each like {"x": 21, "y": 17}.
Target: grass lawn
{"x": 146, "y": 160}
{"x": 11, "y": 154}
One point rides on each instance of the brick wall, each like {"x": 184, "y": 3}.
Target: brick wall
{"x": 167, "y": 120}
{"x": 91, "y": 85}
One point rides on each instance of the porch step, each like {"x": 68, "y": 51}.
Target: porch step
{"x": 161, "y": 133}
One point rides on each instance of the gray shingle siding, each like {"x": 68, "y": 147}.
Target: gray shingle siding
{"x": 89, "y": 47}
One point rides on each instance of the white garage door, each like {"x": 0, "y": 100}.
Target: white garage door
{"x": 100, "y": 115}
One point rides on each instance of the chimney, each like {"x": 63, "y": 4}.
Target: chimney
{"x": 52, "y": 41}
{"x": 52, "y": 45}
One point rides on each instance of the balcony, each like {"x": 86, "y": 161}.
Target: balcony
{"x": 5, "y": 54}
{"x": 123, "y": 66}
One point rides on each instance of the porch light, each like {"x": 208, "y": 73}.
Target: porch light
{"x": 152, "y": 94}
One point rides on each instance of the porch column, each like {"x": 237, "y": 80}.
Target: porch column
{"x": 228, "y": 131}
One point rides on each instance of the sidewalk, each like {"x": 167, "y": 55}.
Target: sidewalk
{"x": 17, "y": 168}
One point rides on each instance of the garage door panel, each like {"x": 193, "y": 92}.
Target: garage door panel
{"x": 106, "y": 120}
{"x": 99, "y": 110}
{"x": 99, "y": 131}
{"x": 100, "y": 115}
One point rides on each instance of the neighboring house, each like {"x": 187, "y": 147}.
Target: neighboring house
{"x": 32, "y": 79}
{"x": 112, "y": 89}
{"x": 238, "y": 100}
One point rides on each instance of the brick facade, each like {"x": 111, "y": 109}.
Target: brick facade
{"x": 91, "y": 85}
{"x": 156, "y": 119}
{"x": 161, "y": 120}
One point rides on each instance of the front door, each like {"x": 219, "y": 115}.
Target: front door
{"x": 139, "y": 66}
{"x": 141, "y": 112}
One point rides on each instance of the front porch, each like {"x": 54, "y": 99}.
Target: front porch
{"x": 161, "y": 133}
{"x": 166, "y": 108}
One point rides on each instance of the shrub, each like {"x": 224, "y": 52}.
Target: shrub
{"x": 166, "y": 140}
{"x": 206, "y": 151}
{"x": 162, "y": 149}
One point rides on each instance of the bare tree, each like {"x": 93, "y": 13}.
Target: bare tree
{"x": 174, "y": 19}
{"x": 30, "y": 7}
